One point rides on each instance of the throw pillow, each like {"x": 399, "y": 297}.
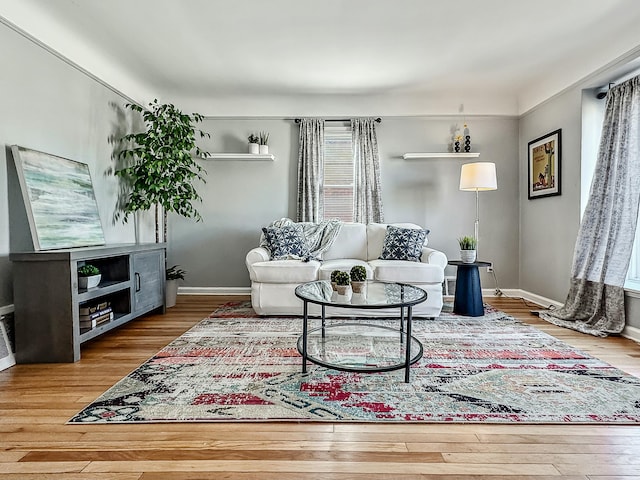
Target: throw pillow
{"x": 286, "y": 242}
{"x": 403, "y": 243}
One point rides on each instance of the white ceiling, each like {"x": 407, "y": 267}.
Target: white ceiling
{"x": 381, "y": 57}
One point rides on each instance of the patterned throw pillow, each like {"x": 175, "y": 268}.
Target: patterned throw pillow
{"x": 403, "y": 243}
{"x": 286, "y": 242}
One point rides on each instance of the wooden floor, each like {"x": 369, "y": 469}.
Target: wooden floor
{"x": 37, "y": 400}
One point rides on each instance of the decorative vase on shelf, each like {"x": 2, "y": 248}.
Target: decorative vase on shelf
{"x": 254, "y": 148}
{"x": 467, "y": 139}
{"x": 264, "y": 149}
{"x": 468, "y": 256}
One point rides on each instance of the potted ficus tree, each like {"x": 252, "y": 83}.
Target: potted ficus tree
{"x": 159, "y": 167}
{"x": 467, "y": 249}
{"x": 173, "y": 274}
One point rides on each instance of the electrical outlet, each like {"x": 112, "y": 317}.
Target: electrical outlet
{"x": 490, "y": 268}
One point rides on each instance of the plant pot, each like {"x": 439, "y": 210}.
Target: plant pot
{"x": 468, "y": 256}
{"x": 334, "y": 286}
{"x": 89, "y": 282}
{"x": 357, "y": 287}
{"x": 254, "y": 148}
{"x": 342, "y": 289}
{"x": 264, "y": 149}
{"x": 171, "y": 293}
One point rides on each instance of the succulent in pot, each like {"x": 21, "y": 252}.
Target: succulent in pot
{"x": 254, "y": 146}
{"x": 468, "y": 248}
{"x": 173, "y": 274}
{"x": 342, "y": 282}
{"x": 358, "y": 276}
{"x": 88, "y": 276}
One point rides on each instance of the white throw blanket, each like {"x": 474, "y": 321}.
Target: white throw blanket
{"x": 319, "y": 236}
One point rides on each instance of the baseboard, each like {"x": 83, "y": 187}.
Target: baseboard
{"x": 214, "y": 290}
{"x": 632, "y": 333}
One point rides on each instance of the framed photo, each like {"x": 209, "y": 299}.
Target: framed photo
{"x": 544, "y": 165}
{"x": 59, "y": 200}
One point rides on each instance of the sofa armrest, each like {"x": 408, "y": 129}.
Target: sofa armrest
{"x": 433, "y": 257}
{"x": 258, "y": 254}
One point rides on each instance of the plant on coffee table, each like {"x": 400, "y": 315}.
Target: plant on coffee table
{"x": 342, "y": 281}
{"x": 358, "y": 276}
{"x": 333, "y": 279}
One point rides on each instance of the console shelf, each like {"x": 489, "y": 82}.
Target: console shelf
{"x": 241, "y": 156}
{"x": 410, "y": 156}
{"x": 47, "y": 298}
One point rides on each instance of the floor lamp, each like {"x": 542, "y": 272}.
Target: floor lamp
{"x": 478, "y": 177}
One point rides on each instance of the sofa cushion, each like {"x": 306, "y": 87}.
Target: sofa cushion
{"x": 403, "y": 244}
{"x": 286, "y": 242}
{"x": 351, "y": 242}
{"x": 344, "y": 265}
{"x": 404, "y": 271}
{"x": 284, "y": 271}
{"x": 376, "y": 233}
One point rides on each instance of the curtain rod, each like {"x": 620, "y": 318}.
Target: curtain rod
{"x": 377, "y": 120}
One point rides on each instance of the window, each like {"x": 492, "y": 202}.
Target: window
{"x": 338, "y": 187}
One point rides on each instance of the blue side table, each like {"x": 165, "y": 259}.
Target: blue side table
{"x": 468, "y": 297}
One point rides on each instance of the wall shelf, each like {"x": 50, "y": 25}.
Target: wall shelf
{"x": 240, "y": 156}
{"x": 409, "y": 156}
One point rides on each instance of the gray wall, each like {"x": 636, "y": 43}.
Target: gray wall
{"x": 549, "y": 225}
{"x": 50, "y": 106}
{"x": 240, "y": 197}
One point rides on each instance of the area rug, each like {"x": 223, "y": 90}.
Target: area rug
{"x": 234, "y": 366}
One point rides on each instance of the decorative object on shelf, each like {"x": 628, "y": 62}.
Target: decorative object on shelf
{"x": 173, "y": 274}
{"x": 456, "y": 139}
{"x": 544, "y": 165}
{"x": 478, "y": 177}
{"x": 467, "y": 249}
{"x": 467, "y": 138}
{"x": 264, "y": 143}
{"x": 59, "y": 200}
{"x": 88, "y": 276}
{"x": 358, "y": 276}
{"x": 333, "y": 280}
{"x": 162, "y": 169}
{"x": 342, "y": 282}
{"x": 254, "y": 144}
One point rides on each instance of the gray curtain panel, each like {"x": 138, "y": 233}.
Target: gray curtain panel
{"x": 310, "y": 170}
{"x": 367, "y": 192}
{"x": 595, "y": 302}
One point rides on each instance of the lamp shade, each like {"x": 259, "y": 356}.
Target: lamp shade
{"x": 478, "y": 176}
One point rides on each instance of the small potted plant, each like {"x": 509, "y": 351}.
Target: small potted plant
{"x": 264, "y": 142}
{"x": 173, "y": 274}
{"x": 358, "y": 276}
{"x": 333, "y": 280}
{"x": 342, "y": 282}
{"x": 467, "y": 249}
{"x": 88, "y": 276}
{"x": 254, "y": 146}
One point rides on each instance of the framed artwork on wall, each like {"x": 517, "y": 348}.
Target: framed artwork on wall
{"x": 59, "y": 200}
{"x": 544, "y": 165}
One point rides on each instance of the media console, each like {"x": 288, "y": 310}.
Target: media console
{"x": 48, "y": 301}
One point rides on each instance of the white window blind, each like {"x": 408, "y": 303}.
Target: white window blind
{"x": 338, "y": 173}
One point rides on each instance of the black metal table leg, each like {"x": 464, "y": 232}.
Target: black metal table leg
{"x": 407, "y": 363}
{"x": 304, "y": 337}
{"x": 323, "y": 318}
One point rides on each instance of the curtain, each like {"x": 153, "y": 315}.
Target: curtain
{"x": 367, "y": 197}
{"x": 310, "y": 170}
{"x": 595, "y": 302}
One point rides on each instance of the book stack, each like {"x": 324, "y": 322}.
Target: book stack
{"x": 93, "y": 315}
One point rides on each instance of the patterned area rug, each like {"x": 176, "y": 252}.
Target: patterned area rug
{"x": 234, "y": 366}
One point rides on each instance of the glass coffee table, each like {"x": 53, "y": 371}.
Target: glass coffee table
{"x": 354, "y": 346}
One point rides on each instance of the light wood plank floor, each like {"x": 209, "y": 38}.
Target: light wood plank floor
{"x": 37, "y": 400}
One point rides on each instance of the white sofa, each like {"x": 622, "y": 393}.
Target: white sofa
{"x": 273, "y": 281}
